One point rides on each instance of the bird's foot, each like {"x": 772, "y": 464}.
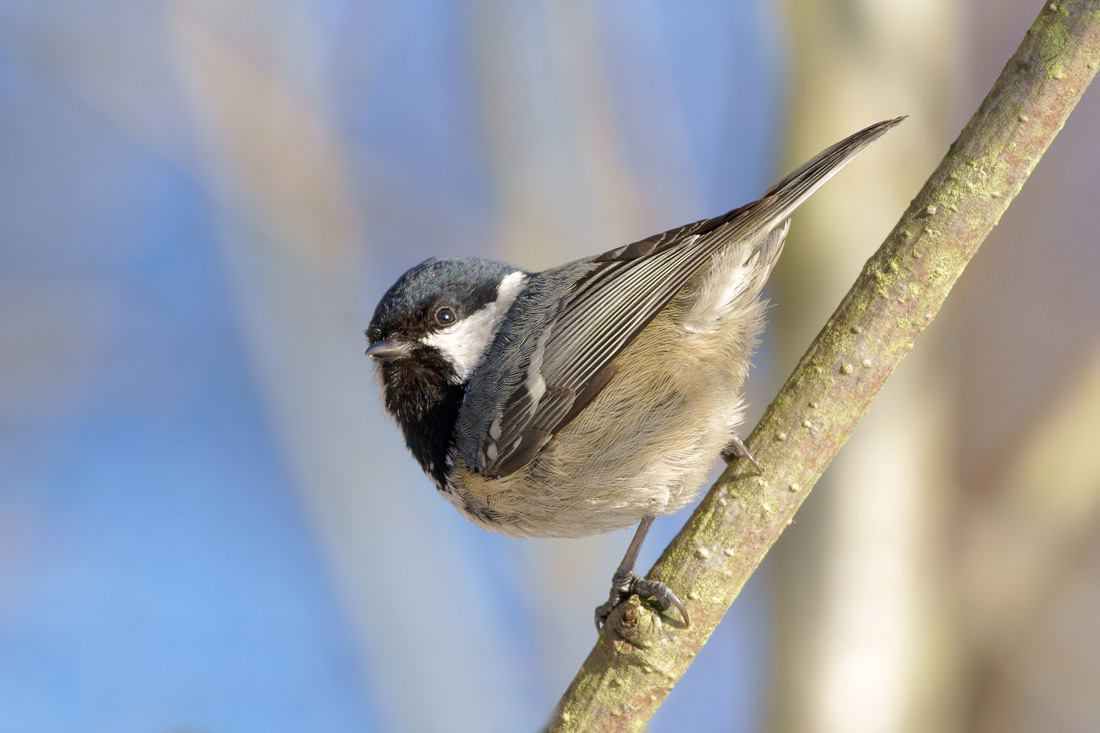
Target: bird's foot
{"x": 626, "y": 582}
{"x": 737, "y": 449}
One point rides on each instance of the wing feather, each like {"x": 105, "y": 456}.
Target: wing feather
{"x": 623, "y": 291}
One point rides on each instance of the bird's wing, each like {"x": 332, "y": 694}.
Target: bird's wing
{"x": 573, "y": 359}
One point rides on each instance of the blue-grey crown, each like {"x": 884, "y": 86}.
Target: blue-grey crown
{"x": 469, "y": 283}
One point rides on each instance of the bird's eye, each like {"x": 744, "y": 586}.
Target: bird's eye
{"x": 445, "y": 315}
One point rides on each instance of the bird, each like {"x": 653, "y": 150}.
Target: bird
{"x": 595, "y": 395}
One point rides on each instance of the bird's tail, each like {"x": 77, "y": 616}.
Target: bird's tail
{"x": 790, "y": 191}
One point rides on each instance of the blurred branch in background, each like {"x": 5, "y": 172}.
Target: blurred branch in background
{"x": 859, "y": 616}
{"x": 1029, "y": 555}
{"x": 276, "y": 159}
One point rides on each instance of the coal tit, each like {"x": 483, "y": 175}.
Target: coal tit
{"x": 592, "y": 396}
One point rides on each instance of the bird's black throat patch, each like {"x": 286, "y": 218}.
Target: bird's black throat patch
{"x": 423, "y": 399}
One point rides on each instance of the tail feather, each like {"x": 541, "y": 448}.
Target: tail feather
{"x": 755, "y": 233}
{"x": 764, "y": 214}
{"x": 790, "y": 191}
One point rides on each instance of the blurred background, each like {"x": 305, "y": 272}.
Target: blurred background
{"x": 206, "y": 524}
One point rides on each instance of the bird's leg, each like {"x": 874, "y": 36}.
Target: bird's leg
{"x": 736, "y": 448}
{"x": 625, "y": 581}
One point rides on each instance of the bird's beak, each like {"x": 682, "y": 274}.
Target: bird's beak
{"x": 388, "y": 350}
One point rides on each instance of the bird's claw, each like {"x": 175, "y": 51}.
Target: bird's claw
{"x": 735, "y": 449}
{"x": 625, "y": 584}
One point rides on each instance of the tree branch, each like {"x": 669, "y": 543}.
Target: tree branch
{"x": 640, "y": 656}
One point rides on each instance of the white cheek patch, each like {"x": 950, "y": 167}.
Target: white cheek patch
{"x": 464, "y": 344}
